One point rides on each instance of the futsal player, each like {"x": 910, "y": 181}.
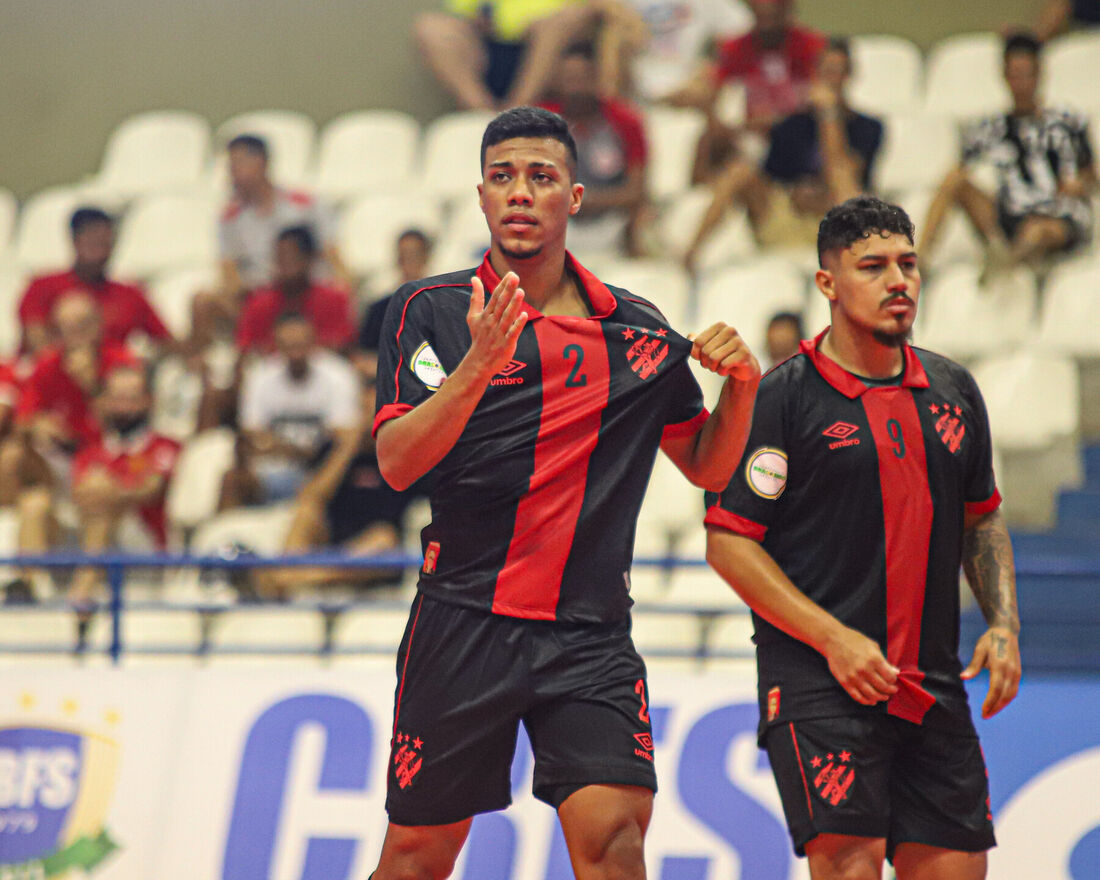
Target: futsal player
{"x": 539, "y": 396}
{"x": 866, "y": 481}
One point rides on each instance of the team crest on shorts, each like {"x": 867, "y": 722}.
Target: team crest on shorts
{"x": 647, "y": 353}
{"x": 406, "y": 758}
{"x": 834, "y": 776}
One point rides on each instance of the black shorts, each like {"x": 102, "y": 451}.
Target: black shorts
{"x": 880, "y": 776}
{"x": 466, "y": 679}
{"x": 1077, "y": 227}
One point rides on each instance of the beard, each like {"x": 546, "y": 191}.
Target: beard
{"x": 513, "y": 254}
{"x": 894, "y": 340}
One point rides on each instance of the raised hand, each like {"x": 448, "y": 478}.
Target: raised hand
{"x": 857, "y": 663}
{"x": 721, "y": 350}
{"x": 998, "y": 650}
{"x": 495, "y": 326}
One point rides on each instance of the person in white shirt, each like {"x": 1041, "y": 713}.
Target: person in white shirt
{"x": 291, "y": 404}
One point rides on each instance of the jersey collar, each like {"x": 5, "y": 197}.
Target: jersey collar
{"x": 602, "y": 300}
{"x": 850, "y": 385}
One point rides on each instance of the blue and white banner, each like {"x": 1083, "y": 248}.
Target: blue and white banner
{"x": 278, "y": 773}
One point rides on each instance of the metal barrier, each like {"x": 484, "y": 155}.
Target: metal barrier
{"x": 1075, "y": 571}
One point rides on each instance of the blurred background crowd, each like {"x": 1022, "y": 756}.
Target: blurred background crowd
{"x": 189, "y": 334}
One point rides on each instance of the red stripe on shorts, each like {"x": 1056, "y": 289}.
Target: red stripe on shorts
{"x": 805, "y": 784}
{"x": 405, "y": 665}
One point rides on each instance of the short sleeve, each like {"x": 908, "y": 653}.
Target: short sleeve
{"x": 84, "y": 460}
{"x": 227, "y": 240}
{"x": 149, "y": 320}
{"x": 686, "y": 412}
{"x": 981, "y": 495}
{"x": 34, "y": 306}
{"x": 975, "y": 140}
{"x": 750, "y": 501}
{"x": 409, "y": 370}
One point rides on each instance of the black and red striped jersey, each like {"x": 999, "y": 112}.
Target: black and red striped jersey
{"x": 534, "y": 509}
{"x": 859, "y": 490}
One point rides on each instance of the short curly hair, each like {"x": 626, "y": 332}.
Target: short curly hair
{"x": 860, "y": 218}
{"x": 529, "y": 122}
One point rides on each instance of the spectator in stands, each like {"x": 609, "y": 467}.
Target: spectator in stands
{"x": 652, "y": 49}
{"x": 413, "y": 251}
{"x": 1058, "y": 16}
{"x": 611, "y": 150}
{"x": 500, "y": 53}
{"x": 345, "y": 504}
{"x": 784, "y": 335}
{"x": 816, "y": 158}
{"x": 291, "y": 403}
{"x": 119, "y": 482}
{"x": 327, "y": 308}
{"x": 1044, "y": 168}
{"x": 124, "y": 308}
{"x": 249, "y": 226}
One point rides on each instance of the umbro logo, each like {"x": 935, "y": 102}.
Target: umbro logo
{"x": 645, "y": 740}
{"x": 505, "y": 377}
{"x": 841, "y": 433}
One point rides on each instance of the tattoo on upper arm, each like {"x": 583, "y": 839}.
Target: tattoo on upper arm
{"x": 991, "y": 572}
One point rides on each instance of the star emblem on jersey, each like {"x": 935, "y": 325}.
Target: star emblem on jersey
{"x": 406, "y": 758}
{"x": 950, "y": 425}
{"x": 835, "y": 778}
{"x": 841, "y": 433}
{"x": 646, "y": 355}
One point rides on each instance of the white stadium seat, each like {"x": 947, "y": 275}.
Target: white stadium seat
{"x": 1071, "y": 302}
{"x": 1071, "y": 66}
{"x": 50, "y": 628}
{"x": 887, "y": 74}
{"x": 144, "y": 628}
{"x": 152, "y": 153}
{"x": 747, "y": 296}
{"x": 369, "y": 630}
{"x": 369, "y": 151}
{"x": 283, "y": 628}
{"x": 964, "y": 78}
{"x": 667, "y": 285}
{"x": 917, "y": 151}
{"x": 666, "y": 632}
{"x": 171, "y": 294}
{"x": 1033, "y": 401}
{"x": 672, "y": 134}
{"x": 959, "y": 319}
{"x": 464, "y": 237}
{"x": 166, "y": 232}
{"x": 732, "y": 632}
{"x": 451, "y": 158}
{"x": 369, "y": 227}
{"x": 43, "y": 242}
{"x": 196, "y": 482}
{"x": 290, "y": 136}
{"x": 731, "y": 241}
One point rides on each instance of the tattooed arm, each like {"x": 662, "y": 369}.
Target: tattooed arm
{"x": 991, "y": 573}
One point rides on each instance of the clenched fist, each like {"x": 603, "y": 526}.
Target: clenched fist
{"x": 721, "y": 350}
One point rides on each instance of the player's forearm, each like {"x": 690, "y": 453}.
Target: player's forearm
{"x": 752, "y": 573}
{"x": 991, "y": 571}
{"x": 322, "y": 487}
{"x": 412, "y": 444}
{"x": 720, "y": 443}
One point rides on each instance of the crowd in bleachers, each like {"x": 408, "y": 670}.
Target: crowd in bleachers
{"x": 190, "y": 333}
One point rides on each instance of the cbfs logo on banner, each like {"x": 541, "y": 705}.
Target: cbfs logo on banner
{"x": 56, "y": 785}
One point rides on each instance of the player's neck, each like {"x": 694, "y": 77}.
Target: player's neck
{"x": 858, "y": 352}
{"x": 547, "y": 284}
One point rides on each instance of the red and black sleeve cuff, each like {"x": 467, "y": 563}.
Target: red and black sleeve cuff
{"x": 389, "y": 411}
{"x": 688, "y": 428}
{"x": 717, "y": 516}
{"x": 980, "y": 508}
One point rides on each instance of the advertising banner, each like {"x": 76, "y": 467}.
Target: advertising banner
{"x": 277, "y": 772}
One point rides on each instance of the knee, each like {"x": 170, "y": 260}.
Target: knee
{"x": 955, "y": 180}
{"x": 35, "y": 503}
{"x": 11, "y": 455}
{"x": 617, "y": 849}
{"x": 409, "y": 854}
{"x": 431, "y": 29}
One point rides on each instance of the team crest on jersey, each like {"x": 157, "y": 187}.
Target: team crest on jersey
{"x": 773, "y": 703}
{"x": 834, "y": 777}
{"x": 406, "y": 758}
{"x": 427, "y": 367}
{"x": 646, "y": 353}
{"x": 431, "y": 557}
{"x": 766, "y": 472}
{"x": 949, "y": 425}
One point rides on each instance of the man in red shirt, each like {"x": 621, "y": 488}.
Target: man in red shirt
{"x": 327, "y": 308}
{"x": 124, "y": 307}
{"x": 119, "y": 482}
{"x": 612, "y": 155}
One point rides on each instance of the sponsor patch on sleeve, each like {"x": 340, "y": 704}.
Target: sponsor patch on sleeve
{"x": 427, "y": 367}
{"x": 766, "y": 472}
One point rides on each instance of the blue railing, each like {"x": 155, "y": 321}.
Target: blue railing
{"x": 1080, "y": 574}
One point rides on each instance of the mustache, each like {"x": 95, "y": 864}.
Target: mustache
{"x": 896, "y": 296}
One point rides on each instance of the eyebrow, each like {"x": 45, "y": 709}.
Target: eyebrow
{"x": 506, "y": 163}
{"x": 880, "y": 257}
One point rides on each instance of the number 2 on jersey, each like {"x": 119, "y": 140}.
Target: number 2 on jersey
{"x": 893, "y": 428}
{"x": 576, "y": 379}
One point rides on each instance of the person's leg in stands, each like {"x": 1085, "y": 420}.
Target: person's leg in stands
{"x": 1036, "y": 237}
{"x": 546, "y": 39}
{"x": 739, "y": 183}
{"x": 958, "y": 190}
{"x": 98, "y": 525}
{"x": 454, "y": 50}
